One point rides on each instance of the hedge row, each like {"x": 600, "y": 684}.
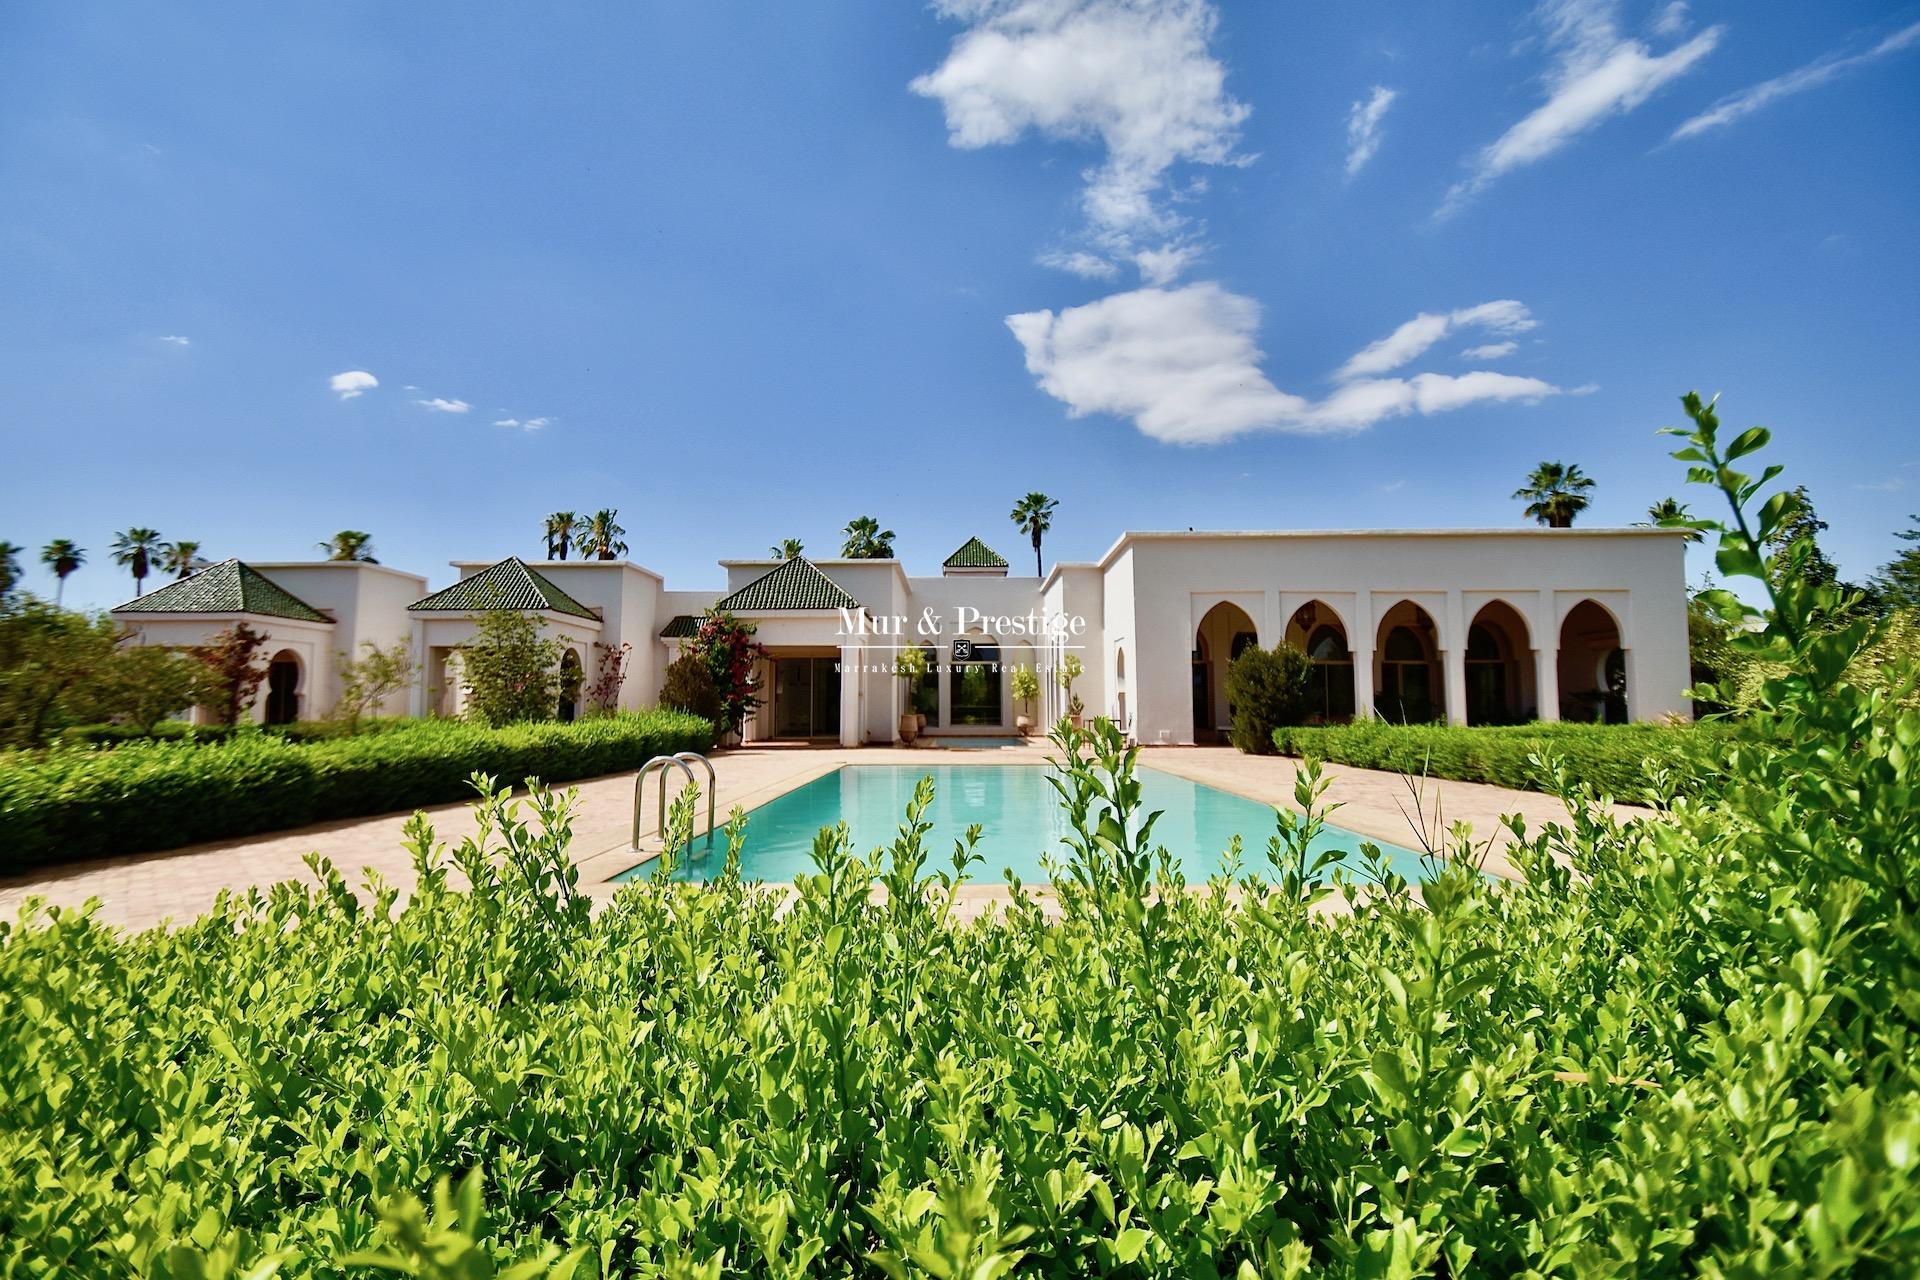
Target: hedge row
{"x": 114, "y": 735}
{"x": 69, "y": 804}
{"x": 1618, "y": 759}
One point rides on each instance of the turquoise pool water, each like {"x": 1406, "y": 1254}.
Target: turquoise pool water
{"x": 1019, "y": 816}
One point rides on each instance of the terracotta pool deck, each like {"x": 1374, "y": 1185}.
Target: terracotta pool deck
{"x": 146, "y": 889}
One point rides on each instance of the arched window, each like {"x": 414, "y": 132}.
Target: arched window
{"x": 1482, "y": 645}
{"x": 1328, "y": 644}
{"x": 1406, "y": 678}
{"x": 1330, "y": 686}
{"x": 1404, "y": 646}
{"x": 571, "y": 679}
{"x": 1242, "y": 641}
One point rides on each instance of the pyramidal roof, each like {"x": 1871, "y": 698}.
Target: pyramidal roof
{"x": 975, "y": 554}
{"x": 509, "y": 584}
{"x": 227, "y": 587}
{"x": 793, "y": 584}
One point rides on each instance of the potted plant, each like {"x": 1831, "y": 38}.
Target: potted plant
{"x": 1026, "y": 687}
{"x": 1071, "y": 670}
{"x": 910, "y": 664}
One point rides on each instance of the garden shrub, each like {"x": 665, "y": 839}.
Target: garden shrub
{"x": 1267, "y": 688}
{"x": 1675, "y": 1047}
{"x": 69, "y": 804}
{"x": 688, "y": 686}
{"x": 1620, "y": 760}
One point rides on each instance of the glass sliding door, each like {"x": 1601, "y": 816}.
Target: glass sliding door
{"x": 806, "y": 697}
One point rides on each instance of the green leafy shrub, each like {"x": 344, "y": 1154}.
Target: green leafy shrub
{"x": 688, "y": 686}
{"x": 69, "y": 804}
{"x": 1676, "y": 1047}
{"x": 1267, "y": 688}
{"x": 1620, "y": 760}
{"x": 510, "y": 670}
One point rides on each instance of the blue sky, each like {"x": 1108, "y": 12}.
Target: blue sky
{"x": 753, "y": 269}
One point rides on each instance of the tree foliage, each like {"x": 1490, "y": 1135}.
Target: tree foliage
{"x": 234, "y": 671}
{"x": 1555, "y": 494}
{"x": 866, "y": 540}
{"x": 510, "y": 670}
{"x": 366, "y": 682}
{"x": 1267, "y": 689}
{"x": 689, "y": 687}
{"x": 144, "y": 684}
{"x": 726, "y": 646}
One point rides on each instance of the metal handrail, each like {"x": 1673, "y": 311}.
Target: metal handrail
{"x": 713, "y": 787}
{"x": 661, "y": 764}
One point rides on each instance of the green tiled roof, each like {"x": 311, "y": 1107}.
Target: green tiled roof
{"x": 680, "y": 627}
{"x": 507, "y": 585}
{"x": 795, "y": 584}
{"x": 227, "y": 587}
{"x": 974, "y": 554}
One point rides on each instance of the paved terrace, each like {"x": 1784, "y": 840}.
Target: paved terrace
{"x": 145, "y": 889}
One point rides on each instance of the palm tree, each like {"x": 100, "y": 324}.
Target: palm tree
{"x": 1555, "y": 493}
{"x": 181, "y": 558}
{"x": 866, "y": 540}
{"x": 786, "y": 549}
{"x": 1033, "y": 515}
{"x": 1670, "y": 511}
{"x": 63, "y": 556}
{"x": 600, "y": 536}
{"x": 9, "y": 567}
{"x": 137, "y": 549}
{"x": 561, "y": 528}
{"x": 349, "y": 544}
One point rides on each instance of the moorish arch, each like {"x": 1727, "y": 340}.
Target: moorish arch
{"x": 1592, "y": 665}
{"x": 1408, "y": 685}
{"x": 1499, "y": 663}
{"x": 1318, "y": 630}
{"x": 1225, "y": 632}
{"x": 283, "y": 688}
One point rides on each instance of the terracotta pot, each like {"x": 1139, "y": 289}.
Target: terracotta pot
{"x": 909, "y": 728}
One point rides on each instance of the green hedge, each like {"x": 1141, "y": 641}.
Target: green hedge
{"x": 70, "y": 803}
{"x": 1618, "y": 759}
{"x": 114, "y": 735}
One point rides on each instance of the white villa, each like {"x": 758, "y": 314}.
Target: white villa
{"x": 1473, "y": 626}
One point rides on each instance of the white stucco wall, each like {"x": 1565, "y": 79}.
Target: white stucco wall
{"x": 1637, "y": 574}
{"x": 311, "y": 644}
{"x": 368, "y": 603}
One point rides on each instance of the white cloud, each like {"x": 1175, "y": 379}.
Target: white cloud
{"x": 178, "y": 340}
{"x": 441, "y": 405}
{"x": 1672, "y": 20}
{"x": 352, "y": 383}
{"x": 1136, "y": 75}
{"x": 1413, "y": 338}
{"x": 1827, "y": 67}
{"x": 1597, "y": 73}
{"x": 530, "y": 424}
{"x": 1491, "y": 351}
{"x": 1183, "y": 364}
{"x": 1164, "y": 265}
{"x": 1088, "y": 266}
{"x": 1892, "y": 484}
{"x": 1363, "y": 127}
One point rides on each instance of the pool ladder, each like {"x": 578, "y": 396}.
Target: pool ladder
{"x": 660, "y": 765}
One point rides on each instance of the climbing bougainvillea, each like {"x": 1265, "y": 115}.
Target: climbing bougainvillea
{"x": 727, "y": 646}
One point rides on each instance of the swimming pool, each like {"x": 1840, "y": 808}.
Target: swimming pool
{"x": 1019, "y": 815}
